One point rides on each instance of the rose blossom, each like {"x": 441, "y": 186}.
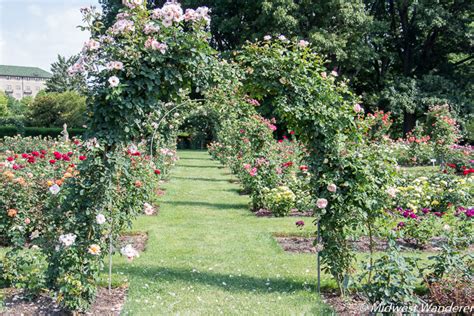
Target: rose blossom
{"x": 150, "y": 28}
{"x": 67, "y": 239}
{"x": 392, "y": 192}
{"x": 94, "y": 249}
{"x": 303, "y": 43}
{"x": 148, "y": 209}
{"x": 54, "y": 189}
{"x": 322, "y": 203}
{"x": 114, "y": 81}
{"x": 115, "y": 65}
{"x": 358, "y": 108}
{"x": 332, "y": 188}
{"x": 129, "y": 252}
{"x": 91, "y": 45}
{"x": 100, "y": 219}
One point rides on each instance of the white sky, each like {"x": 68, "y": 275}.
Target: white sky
{"x": 34, "y": 32}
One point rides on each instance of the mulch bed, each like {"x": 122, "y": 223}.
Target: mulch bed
{"x": 105, "y": 304}
{"x": 349, "y": 305}
{"x": 293, "y": 213}
{"x": 297, "y": 244}
{"x": 137, "y": 240}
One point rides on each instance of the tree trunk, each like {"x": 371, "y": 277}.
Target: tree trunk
{"x": 409, "y": 120}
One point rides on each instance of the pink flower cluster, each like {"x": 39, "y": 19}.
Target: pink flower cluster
{"x": 153, "y": 44}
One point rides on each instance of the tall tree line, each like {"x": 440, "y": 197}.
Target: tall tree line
{"x": 400, "y": 55}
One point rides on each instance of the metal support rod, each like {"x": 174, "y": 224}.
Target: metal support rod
{"x": 318, "y": 258}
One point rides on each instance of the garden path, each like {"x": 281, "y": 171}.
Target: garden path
{"x": 208, "y": 255}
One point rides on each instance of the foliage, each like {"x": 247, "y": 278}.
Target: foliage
{"x": 37, "y": 131}
{"x": 391, "y": 279}
{"x": 443, "y": 130}
{"x": 140, "y": 71}
{"x": 401, "y": 56}
{"x": 3, "y": 104}
{"x": 61, "y": 81}
{"x": 24, "y": 269}
{"x": 38, "y": 174}
{"x": 321, "y": 111}
{"x": 280, "y": 200}
{"x": 56, "y": 109}
{"x": 426, "y": 206}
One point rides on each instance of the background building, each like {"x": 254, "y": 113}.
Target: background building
{"x": 19, "y": 81}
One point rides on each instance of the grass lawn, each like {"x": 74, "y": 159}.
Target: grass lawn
{"x": 208, "y": 255}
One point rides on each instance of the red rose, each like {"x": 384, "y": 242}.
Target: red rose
{"x": 10, "y": 158}
{"x": 25, "y": 156}
{"x": 70, "y": 153}
{"x": 42, "y": 151}
{"x": 52, "y": 161}
{"x": 157, "y": 171}
{"x": 66, "y": 157}
{"x": 57, "y": 155}
{"x": 35, "y": 153}
{"x": 82, "y": 158}
{"x": 16, "y": 167}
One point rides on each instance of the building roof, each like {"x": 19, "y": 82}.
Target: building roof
{"x": 20, "y": 71}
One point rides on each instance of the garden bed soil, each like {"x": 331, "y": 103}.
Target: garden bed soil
{"x": 298, "y": 244}
{"x": 106, "y": 304}
{"x": 349, "y": 305}
{"x": 138, "y": 240}
{"x": 293, "y": 213}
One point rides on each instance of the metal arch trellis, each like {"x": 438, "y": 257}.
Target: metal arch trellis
{"x": 163, "y": 117}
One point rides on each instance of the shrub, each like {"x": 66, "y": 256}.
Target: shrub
{"x": 56, "y": 109}
{"x": 391, "y": 280}
{"x": 38, "y": 131}
{"x": 25, "y": 269}
{"x": 279, "y": 200}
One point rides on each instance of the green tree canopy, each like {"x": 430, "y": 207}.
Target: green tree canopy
{"x": 400, "y": 55}
{"x": 62, "y": 81}
{"x": 55, "y": 109}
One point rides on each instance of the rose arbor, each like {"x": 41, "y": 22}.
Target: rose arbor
{"x": 138, "y": 68}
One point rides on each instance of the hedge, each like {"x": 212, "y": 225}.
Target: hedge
{"x": 38, "y": 131}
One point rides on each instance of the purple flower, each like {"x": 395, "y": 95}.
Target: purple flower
{"x": 401, "y": 225}
{"x": 425, "y": 210}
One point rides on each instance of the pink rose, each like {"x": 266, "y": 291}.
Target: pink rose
{"x": 332, "y": 188}
{"x": 322, "y": 203}
{"x": 358, "y": 108}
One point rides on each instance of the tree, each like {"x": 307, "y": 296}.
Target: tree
{"x": 61, "y": 81}
{"x": 3, "y": 104}
{"x": 396, "y": 53}
{"x": 55, "y": 109}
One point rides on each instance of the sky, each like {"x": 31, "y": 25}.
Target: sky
{"x": 34, "y": 32}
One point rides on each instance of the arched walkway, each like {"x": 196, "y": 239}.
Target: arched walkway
{"x": 208, "y": 255}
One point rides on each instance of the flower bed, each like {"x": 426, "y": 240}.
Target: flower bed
{"x": 34, "y": 170}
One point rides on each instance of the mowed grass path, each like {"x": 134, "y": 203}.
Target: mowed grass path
{"x": 207, "y": 254}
